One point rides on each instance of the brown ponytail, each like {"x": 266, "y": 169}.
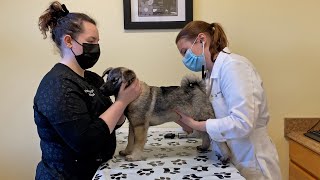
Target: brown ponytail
{"x": 48, "y": 20}
{"x": 217, "y": 36}
{"x": 219, "y": 40}
{"x": 59, "y": 22}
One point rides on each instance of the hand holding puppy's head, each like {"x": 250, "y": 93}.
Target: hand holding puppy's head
{"x": 115, "y": 77}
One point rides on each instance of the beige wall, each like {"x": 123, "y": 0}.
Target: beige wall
{"x": 280, "y": 37}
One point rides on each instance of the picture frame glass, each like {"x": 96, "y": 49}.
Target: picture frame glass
{"x": 157, "y": 14}
{"x": 158, "y": 10}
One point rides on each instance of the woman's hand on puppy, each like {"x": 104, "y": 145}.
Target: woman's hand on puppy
{"x": 185, "y": 128}
{"x": 128, "y": 94}
{"x": 188, "y": 123}
{"x": 114, "y": 114}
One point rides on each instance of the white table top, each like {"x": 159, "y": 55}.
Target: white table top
{"x": 167, "y": 159}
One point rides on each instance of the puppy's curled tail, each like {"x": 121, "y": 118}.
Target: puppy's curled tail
{"x": 192, "y": 81}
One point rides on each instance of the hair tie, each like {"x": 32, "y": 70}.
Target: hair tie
{"x": 212, "y": 26}
{"x": 57, "y": 15}
{"x": 65, "y": 10}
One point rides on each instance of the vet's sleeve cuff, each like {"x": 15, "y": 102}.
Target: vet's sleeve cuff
{"x": 212, "y": 128}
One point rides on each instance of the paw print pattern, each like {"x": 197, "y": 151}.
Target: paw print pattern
{"x": 97, "y": 177}
{"x": 218, "y": 155}
{"x": 116, "y": 159}
{"x": 128, "y": 166}
{"x": 121, "y": 142}
{"x": 203, "y": 151}
{"x": 149, "y": 135}
{"x": 155, "y": 144}
{"x": 125, "y": 137}
{"x": 160, "y": 155}
{"x": 191, "y": 141}
{"x": 222, "y": 175}
{"x": 104, "y": 166}
{"x": 118, "y": 176}
{"x": 201, "y": 158}
{"x": 162, "y": 134}
{"x": 146, "y": 172}
{"x": 157, "y": 139}
{"x": 171, "y": 170}
{"x": 173, "y": 143}
{"x": 192, "y": 176}
{"x": 200, "y": 168}
{"x": 221, "y": 165}
{"x": 147, "y": 150}
{"x": 188, "y": 148}
{"x": 179, "y": 162}
{"x": 182, "y": 154}
{"x": 166, "y": 149}
{"x": 163, "y": 178}
{"x": 119, "y": 132}
{"x": 156, "y": 163}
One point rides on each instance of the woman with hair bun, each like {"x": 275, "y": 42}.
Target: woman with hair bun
{"x": 237, "y": 97}
{"x": 75, "y": 122}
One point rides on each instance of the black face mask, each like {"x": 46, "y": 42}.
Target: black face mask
{"x": 90, "y": 55}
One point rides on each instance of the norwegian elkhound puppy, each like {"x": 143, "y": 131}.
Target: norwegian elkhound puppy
{"x": 156, "y": 106}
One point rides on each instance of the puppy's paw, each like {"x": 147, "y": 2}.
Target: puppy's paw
{"x": 225, "y": 152}
{"x": 132, "y": 157}
{"x": 202, "y": 148}
{"x": 124, "y": 153}
{"x": 224, "y": 159}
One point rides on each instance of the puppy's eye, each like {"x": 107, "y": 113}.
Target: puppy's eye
{"x": 115, "y": 80}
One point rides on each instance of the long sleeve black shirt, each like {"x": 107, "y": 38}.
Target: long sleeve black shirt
{"x": 73, "y": 139}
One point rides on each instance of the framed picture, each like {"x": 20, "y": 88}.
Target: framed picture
{"x": 157, "y": 14}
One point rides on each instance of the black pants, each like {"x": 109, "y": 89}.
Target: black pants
{"x": 76, "y": 171}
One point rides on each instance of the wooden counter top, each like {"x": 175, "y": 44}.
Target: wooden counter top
{"x": 294, "y": 129}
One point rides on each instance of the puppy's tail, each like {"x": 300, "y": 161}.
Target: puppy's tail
{"x": 193, "y": 81}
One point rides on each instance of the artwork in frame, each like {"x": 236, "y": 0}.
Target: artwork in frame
{"x": 157, "y": 14}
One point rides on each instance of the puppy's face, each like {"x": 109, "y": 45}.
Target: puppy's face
{"x": 115, "y": 77}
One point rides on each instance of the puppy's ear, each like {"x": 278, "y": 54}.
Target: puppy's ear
{"x": 129, "y": 76}
{"x": 106, "y": 71}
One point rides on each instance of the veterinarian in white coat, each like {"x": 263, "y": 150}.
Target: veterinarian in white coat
{"x": 237, "y": 97}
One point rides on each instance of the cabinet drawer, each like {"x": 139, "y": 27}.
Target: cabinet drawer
{"x": 305, "y": 158}
{"x": 296, "y": 173}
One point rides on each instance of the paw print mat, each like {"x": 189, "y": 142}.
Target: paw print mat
{"x": 167, "y": 159}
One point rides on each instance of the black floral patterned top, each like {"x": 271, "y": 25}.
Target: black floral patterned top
{"x": 73, "y": 139}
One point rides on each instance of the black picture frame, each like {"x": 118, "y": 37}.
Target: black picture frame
{"x": 130, "y": 25}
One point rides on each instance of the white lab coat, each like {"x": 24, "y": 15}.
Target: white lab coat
{"x": 242, "y": 116}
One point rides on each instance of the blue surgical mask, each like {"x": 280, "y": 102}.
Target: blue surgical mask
{"x": 192, "y": 61}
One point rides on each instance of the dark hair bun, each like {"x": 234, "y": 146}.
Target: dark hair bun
{"x": 48, "y": 20}
{"x": 59, "y": 22}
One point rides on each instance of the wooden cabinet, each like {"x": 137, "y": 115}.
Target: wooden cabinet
{"x": 297, "y": 173}
{"x": 304, "y": 164}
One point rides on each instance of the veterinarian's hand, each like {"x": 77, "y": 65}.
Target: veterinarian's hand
{"x": 190, "y": 122}
{"x": 185, "y": 128}
{"x": 185, "y": 122}
{"x": 129, "y": 94}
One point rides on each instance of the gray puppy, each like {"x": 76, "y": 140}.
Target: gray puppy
{"x": 156, "y": 106}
